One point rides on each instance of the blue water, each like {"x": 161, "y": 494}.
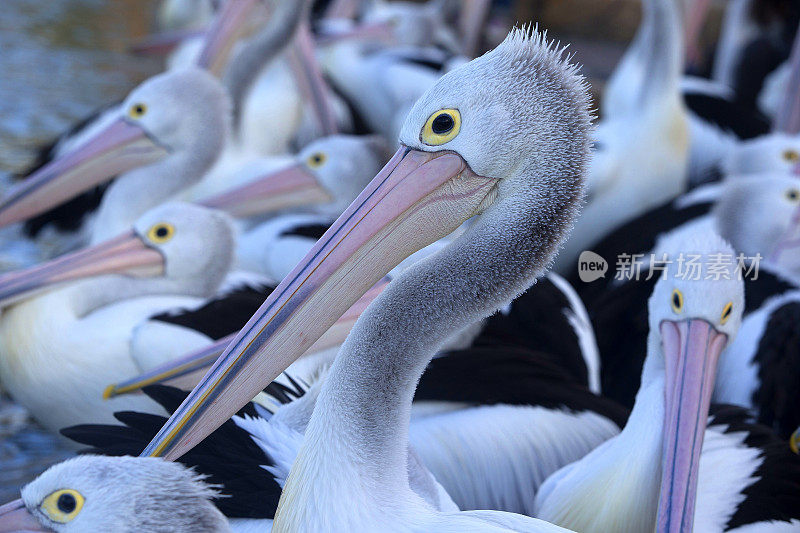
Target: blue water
{"x": 59, "y": 60}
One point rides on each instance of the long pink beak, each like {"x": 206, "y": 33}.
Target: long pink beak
{"x": 691, "y": 351}
{"x": 308, "y": 77}
{"x": 15, "y": 518}
{"x": 418, "y": 198}
{"x": 118, "y": 148}
{"x": 474, "y": 14}
{"x": 232, "y": 23}
{"x": 185, "y": 372}
{"x": 696, "y": 19}
{"x": 161, "y": 44}
{"x": 371, "y": 31}
{"x": 127, "y": 254}
{"x": 294, "y": 186}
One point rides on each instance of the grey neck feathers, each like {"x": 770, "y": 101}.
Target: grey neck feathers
{"x": 661, "y": 51}
{"x": 90, "y": 295}
{"x": 261, "y": 50}
{"x": 135, "y": 192}
{"x": 368, "y": 394}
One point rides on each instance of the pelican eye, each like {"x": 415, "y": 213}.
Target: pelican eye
{"x": 726, "y": 312}
{"x": 792, "y": 156}
{"x": 62, "y": 505}
{"x": 316, "y": 160}
{"x": 441, "y": 127}
{"x": 137, "y": 110}
{"x": 676, "y": 301}
{"x": 161, "y": 232}
{"x": 793, "y": 195}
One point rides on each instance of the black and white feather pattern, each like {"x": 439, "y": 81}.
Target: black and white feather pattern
{"x": 222, "y": 315}
{"x": 70, "y": 215}
{"x": 770, "y": 498}
{"x": 229, "y": 456}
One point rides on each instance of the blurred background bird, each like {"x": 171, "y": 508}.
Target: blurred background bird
{"x": 184, "y": 189}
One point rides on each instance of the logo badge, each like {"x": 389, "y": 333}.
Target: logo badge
{"x": 591, "y": 266}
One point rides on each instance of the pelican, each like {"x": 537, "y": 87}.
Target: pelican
{"x": 322, "y": 179}
{"x": 537, "y": 161}
{"x": 166, "y": 135}
{"x": 642, "y": 145}
{"x": 247, "y": 478}
{"x": 91, "y": 493}
{"x": 70, "y": 341}
{"x": 757, "y": 216}
{"x": 665, "y": 482}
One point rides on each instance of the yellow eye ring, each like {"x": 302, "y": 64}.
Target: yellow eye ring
{"x": 793, "y": 195}
{"x": 727, "y": 311}
{"x": 62, "y": 505}
{"x": 794, "y": 441}
{"x": 792, "y": 156}
{"x": 137, "y": 110}
{"x": 676, "y": 301}
{"x": 161, "y": 232}
{"x": 441, "y": 127}
{"x": 316, "y": 160}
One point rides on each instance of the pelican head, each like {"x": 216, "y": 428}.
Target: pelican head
{"x": 760, "y": 214}
{"x": 166, "y": 116}
{"x": 505, "y": 137}
{"x": 326, "y": 176}
{"x": 776, "y": 152}
{"x": 96, "y": 493}
{"x": 694, "y": 315}
{"x": 187, "y": 249}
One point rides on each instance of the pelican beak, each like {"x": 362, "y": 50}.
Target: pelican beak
{"x": 294, "y": 186}
{"x": 15, "y": 518}
{"x": 232, "y": 23}
{"x": 127, "y": 254}
{"x": 418, "y": 198}
{"x": 186, "y": 371}
{"x": 695, "y": 20}
{"x": 691, "y": 351}
{"x": 368, "y": 31}
{"x": 118, "y": 148}
{"x": 161, "y": 44}
{"x": 308, "y": 77}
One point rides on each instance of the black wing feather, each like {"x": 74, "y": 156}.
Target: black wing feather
{"x": 510, "y": 375}
{"x": 536, "y": 322}
{"x": 775, "y": 492}
{"x": 229, "y": 457}
{"x": 70, "y": 215}
{"x": 221, "y": 316}
{"x": 778, "y": 359}
{"x": 744, "y": 121}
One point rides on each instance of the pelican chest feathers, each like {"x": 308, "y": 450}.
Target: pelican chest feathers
{"x": 648, "y": 475}
{"x": 70, "y": 343}
{"x": 119, "y": 494}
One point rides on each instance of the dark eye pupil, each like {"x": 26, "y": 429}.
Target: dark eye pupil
{"x": 66, "y": 503}
{"x": 676, "y": 300}
{"x": 442, "y": 124}
{"x": 162, "y": 232}
{"x": 139, "y": 109}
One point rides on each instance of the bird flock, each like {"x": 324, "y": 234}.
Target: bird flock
{"x": 362, "y": 266}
